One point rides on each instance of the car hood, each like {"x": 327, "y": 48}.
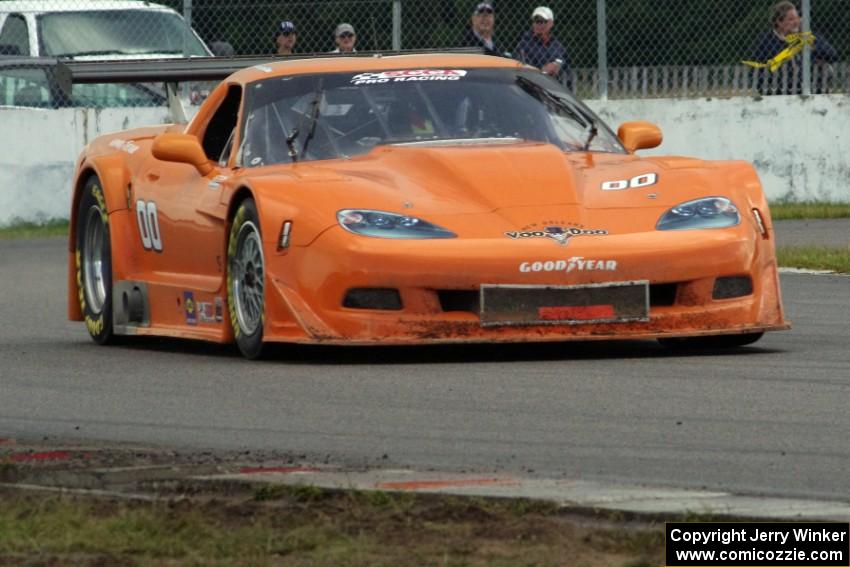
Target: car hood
{"x": 478, "y": 191}
{"x": 487, "y": 178}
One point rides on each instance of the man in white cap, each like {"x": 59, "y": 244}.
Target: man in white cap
{"x": 480, "y": 33}
{"x": 345, "y": 39}
{"x": 541, "y": 49}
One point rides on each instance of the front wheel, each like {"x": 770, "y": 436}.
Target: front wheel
{"x": 94, "y": 263}
{"x": 246, "y": 280}
{"x": 712, "y": 342}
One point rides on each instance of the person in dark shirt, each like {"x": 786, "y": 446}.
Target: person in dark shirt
{"x": 786, "y": 21}
{"x": 539, "y": 47}
{"x": 480, "y": 33}
{"x": 285, "y": 38}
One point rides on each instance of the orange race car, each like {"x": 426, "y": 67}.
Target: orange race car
{"x": 413, "y": 199}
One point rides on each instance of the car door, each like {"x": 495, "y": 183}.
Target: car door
{"x": 175, "y": 206}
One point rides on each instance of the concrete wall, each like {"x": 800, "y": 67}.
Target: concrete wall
{"x": 799, "y": 146}
{"x": 38, "y": 149}
{"x": 796, "y": 144}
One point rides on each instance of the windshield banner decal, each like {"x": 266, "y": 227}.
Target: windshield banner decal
{"x": 404, "y": 75}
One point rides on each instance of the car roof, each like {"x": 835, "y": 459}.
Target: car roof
{"x": 42, "y": 7}
{"x": 334, "y": 63}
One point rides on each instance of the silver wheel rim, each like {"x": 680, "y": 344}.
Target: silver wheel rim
{"x": 93, "y": 243}
{"x": 248, "y": 278}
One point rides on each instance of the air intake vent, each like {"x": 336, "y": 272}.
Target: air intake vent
{"x": 373, "y": 298}
{"x": 731, "y": 287}
{"x": 460, "y": 300}
{"x": 662, "y": 295}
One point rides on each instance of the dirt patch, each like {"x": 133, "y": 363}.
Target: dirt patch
{"x": 73, "y": 504}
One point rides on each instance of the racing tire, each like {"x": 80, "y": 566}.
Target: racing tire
{"x": 246, "y": 280}
{"x": 93, "y": 256}
{"x": 713, "y": 342}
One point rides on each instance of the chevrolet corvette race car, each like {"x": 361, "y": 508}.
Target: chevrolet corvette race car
{"x": 413, "y": 199}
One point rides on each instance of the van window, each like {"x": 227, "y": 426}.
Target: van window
{"x": 14, "y": 39}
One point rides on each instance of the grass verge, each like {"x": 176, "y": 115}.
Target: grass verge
{"x": 809, "y": 210}
{"x": 316, "y": 527}
{"x": 34, "y": 230}
{"x": 814, "y": 258}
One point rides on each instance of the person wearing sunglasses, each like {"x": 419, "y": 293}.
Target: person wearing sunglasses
{"x": 539, "y": 47}
{"x": 480, "y": 33}
{"x": 345, "y": 39}
{"x": 285, "y": 38}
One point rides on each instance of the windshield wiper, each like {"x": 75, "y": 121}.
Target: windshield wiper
{"x": 544, "y": 95}
{"x": 575, "y": 112}
{"x": 91, "y": 53}
{"x": 160, "y": 52}
{"x": 591, "y": 135}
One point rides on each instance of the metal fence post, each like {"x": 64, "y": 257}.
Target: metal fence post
{"x": 396, "y": 25}
{"x": 807, "y": 50}
{"x": 602, "y": 48}
{"x": 185, "y": 88}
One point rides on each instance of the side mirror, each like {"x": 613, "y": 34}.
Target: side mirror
{"x": 639, "y": 135}
{"x": 181, "y": 148}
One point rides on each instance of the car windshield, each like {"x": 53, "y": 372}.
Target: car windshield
{"x": 116, "y": 32}
{"x": 311, "y": 117}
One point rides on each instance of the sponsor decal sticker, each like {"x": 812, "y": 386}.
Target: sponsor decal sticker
{"x": 574, "y": 264}
{"x": 558, "y": 231}
{"x": 576, "y": 313}
{"x": 190, "y": 307}
{"x": 129, "y": 147}
{"x": 205, "y": 312}
{"x": 403, "y": 76}
{"x": 219, "y": 310}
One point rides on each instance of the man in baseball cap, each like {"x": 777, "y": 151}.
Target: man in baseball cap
{"x": 539, "y": 47}
{"x": 284, "y": 38}
{"x": 480, "y": 33}
{"x": 345, "y": 39}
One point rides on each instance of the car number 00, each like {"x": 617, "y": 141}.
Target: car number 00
{"x": 643, "y": 180}
{"x": 148, "y": 225}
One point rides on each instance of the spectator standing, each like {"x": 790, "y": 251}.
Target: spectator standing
{"x": 541, "y": 49}
{"x": 345, "y": 39}
{"x": 480, "y": 33}
{"x": 285, "y": 38}
{"x": 786, "y": 23}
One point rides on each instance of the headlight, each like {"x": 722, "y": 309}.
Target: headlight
{"x": 389, "y": 225}
{"x": 710, "y": 212}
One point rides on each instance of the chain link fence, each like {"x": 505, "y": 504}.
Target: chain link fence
{"x": 616, "y": 48}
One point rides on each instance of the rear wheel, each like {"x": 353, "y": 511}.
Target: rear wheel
{"x": 246, "y": 280}
{"x": 713, "y": 342}
{"x": 94, "y": 263}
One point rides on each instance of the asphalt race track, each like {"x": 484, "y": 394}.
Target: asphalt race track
{"x": 770, "y": 419}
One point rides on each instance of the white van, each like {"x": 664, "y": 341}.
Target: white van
{"x": 96, "y": 29}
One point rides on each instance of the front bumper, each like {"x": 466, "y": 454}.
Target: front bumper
{"x": 438, "y": 282}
